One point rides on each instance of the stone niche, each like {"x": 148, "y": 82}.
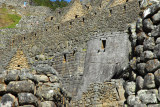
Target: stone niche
{"x": 107, "y": 56}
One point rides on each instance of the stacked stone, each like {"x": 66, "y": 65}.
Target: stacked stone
{"x": 31, "y": 88}
{"x": 102, "y": 95}
{"x": 144, "y": 88}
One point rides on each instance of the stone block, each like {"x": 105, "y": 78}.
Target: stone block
{"x": 21, "y": 86}
{"x": 149, "y": 81}
{"x": 41, "y": 78}
{"x": 27, "y": 98}
{"x": 47, "y": 104}
{"x": 152, "y": 65}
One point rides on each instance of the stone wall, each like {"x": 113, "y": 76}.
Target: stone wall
{"x": 36, "y": 87}
{"x": 143, "y": 87}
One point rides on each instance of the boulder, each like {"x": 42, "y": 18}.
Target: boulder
{"x": 47, "y": 104}
{"x": 140, "y": 37}
{"x": 139, "y": 25}
{"x": 148, "y": 55}
{"x": 21, "y": 86}
{"x": 138, "y": 50}
{"x": 141, "y": 68}
{"x": 3, "y": 88}
{"x": 9, "y": 100}
{"x": 27, "y": 98}
{"x": 147, "y": 97}
{"x": 156, "y": 18}
{"x": 156, "y": 31}
{"x": 133, "y": 63}
{"x": 42, "y": 78}
{"x": 149, "y": 81}
{"x": 45, "y": 69}
{"x": 133, "y": 100}
{"x": 147, "y": 25}
{"x": 26, "y": 76}
{"x": 48, "y": 90}
{"x": 11, "y": 77}
{"x": 130, "y": 88}
{"x": 152, "y": 65}
{"x": 157, "y": 77}
{"x": 153, "y": 105}
{"x": 139, "y": 82}
{"x": 158, "y": 40}
{"x": 148, "y": 43}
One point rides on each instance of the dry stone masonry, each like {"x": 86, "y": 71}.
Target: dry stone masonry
{"x": 143, "y": 88}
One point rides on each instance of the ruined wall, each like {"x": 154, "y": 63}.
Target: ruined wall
{"x": 107, "y": 56}
{"x": 38, "y": 87}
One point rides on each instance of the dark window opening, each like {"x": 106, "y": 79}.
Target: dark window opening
{"x": 70, "y": 23}
{"x": 35, "y": 34}
{"x": 74, "y": 52}
{"x": 24, "y": 38}
{"x": 58, "y": 27}
{"x": 59, "y": 12}
{"x": 46, "y": 29}
{"x": 95, "y": 13}
{"x": 83, "y": 19}
{"x": 76, "y": 16}
{"x": 124, "y": 7}
{"x": 100, "y": 5}
{"x": 64, "y": 58}
{"x": 126, "y": 0}
{"x": 13, "y": 41}
{"x": 51, "y": 18}
{"x": 139, "y": 3}
{"x": 18, "y": 65}
{"x": 98, "y": 51}
{"x": 103, "y": 44}
{"x": 36, "y": 58}
{"x": 110, "y": 11}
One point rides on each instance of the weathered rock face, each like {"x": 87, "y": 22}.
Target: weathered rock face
{"x": 107, "y": 57}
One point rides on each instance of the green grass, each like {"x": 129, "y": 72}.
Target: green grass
{"x": 8, "y": 20}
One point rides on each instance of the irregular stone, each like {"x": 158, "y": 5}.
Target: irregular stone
{"x": 133, "y": 63}
{"x": 141, "y": 68}
{"x": 139, "y": 25}
{"x": 139, "y": 83}
{"x": 41, "y": 57}
{"x": 158, "y": 40}
{"x": 8, "y": 100}
{"x": 47, "y": 104}
{"x": 133, "y": 100}
{"x": 148, "y": 55}
{"x": 27, "y": 98}
{"x": 151, "y": 10}
{"x": 157, "y": 77}
{"x": 152, "y": 65}
{"x": 132, "y": 76}
{"x": 54, "y": 79}
{"x": 27, "y": 106}
{"x": 148, "y": 43}
{"x": 156, "y": 18}
{"x": 147, "y": 97}
{"x": 156, "y": 31}
{"x": 157, "y": 51}
{"x": 26, "y": 76}
{"x": 21, "y": 86}
{"x": 140, "y": 105}
{"x": 11, "y": 77}
{"x": 138, "y": 50}
{"x": 47, "y": 90}
{"x": 45, "y": 69}
{"x": 140, "y": 37}
{"x": 130, "y": 88}
{"x": 2, "y": 78}
{"x": 147, "y": 25}
{"x": 149, "y": 81}
{"x": 41, "y": 78}
{"x": 153, "y": 105}
{"x": 3, "y": 88}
